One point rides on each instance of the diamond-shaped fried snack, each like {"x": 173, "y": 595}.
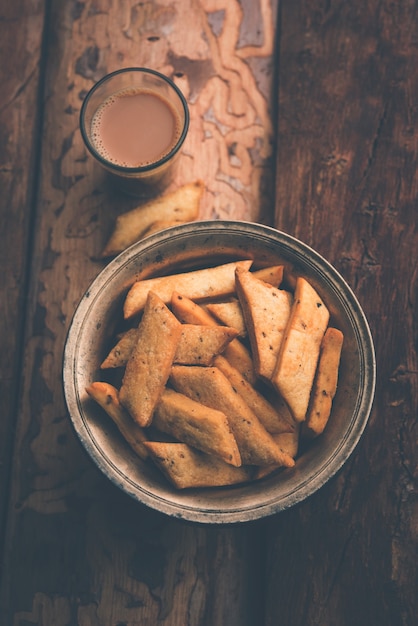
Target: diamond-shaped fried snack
{"x": 197, "y": 425}
{"x": 273, "y": 420}
{"x": 237, "y": 354}
{"x": 211, "y": 282}
{"x": 299, "y": 352}
{"x": 180, "y": 205}
{"x": 149, "y": 365}
{"x": 210, "y": 386}
{"x": 198, "y": 345}
{"x": 230, "y": 314}
{"x": 108, "y": 398}
{"x": 186, "y": 467}
{"x": 325, "y": 383}
{"x": 266, "y": 310}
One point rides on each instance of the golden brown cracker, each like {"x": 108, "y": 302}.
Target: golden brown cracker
{"x": 149, "y": 365}
{"x": 107, "y": 397}
{"x": 197, "y": 285}
{"x": 266, "y": 311}
{"x": 299, "y": 352}
{"x": 182, "y": 205}
{"x": 210, "y": 386}
{"x": 186, "y": 467}
{"x": 197, "y": 425}
{"x": 325, "y": 383}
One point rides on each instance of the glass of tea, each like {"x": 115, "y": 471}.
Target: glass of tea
{"x": 134, "y": 122}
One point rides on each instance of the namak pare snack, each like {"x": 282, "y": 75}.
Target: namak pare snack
{"x": 223, "y": 370}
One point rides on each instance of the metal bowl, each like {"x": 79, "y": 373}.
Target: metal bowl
{"x": 191, "y": 246}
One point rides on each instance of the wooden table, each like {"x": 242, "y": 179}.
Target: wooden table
{"x": 304, "y": 115}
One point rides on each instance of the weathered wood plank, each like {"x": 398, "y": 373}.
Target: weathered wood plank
{"x": 21, "y": 27}
{"x": 106, "y": 560}
{"x": 78, "y": 550}
{"x": 347, "y": 184}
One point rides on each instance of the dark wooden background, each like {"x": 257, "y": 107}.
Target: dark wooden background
{"x": 304, "y": 116}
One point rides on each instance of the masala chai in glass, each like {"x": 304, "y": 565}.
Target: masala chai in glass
{"x": 134, "y": 122}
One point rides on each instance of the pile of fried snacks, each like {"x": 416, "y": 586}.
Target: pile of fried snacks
{"x": 222, "y": 371}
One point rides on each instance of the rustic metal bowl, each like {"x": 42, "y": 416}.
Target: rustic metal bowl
{"x": 195, "y": 245}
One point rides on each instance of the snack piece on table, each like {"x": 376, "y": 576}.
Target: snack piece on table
{"x": 299, "y": 352}
{"x": 186, "y": 467}
{"x": 325, "y": 383}
{"x": 148, "y": 367}
{"x": 266, "y": 311}
{"x": 181, "y": 205}
{"x": 210, "y": 386}
{"x": 107, "y": 397}
{"x": 197, "y": 425}
{"x": 210, "y": 282}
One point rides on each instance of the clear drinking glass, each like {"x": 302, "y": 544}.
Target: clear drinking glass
{"x": 135, "y": 126}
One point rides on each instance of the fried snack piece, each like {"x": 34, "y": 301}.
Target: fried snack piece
{"x": 273, "y": 421}
{"x": 239, "y": 357}
{"x": 198, "y": 345}
{"x": 148, "y": 367}
{"x": 181, "y": 205}
{"x": 272, "y": 275}
{"x": 210, "y": 386}
{"x": 199, "y": 426}
{"x": 108, "y": 398}
{"x": 198, "y": 285}
{"x": 289, "y": 443}
{"x": 276, "y": 400}
{"x": 325, "y": 383}
{"x": 298, "y": 356}
{"x": 230, "y": 314}
{"x": 189, "y": 312}
{"x": 186, "y": 467}
{"x": 120, "y": 353}
{"x": 237, "y": 354}
{"x": 266, "y": 311}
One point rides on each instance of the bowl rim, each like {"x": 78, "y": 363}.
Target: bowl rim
{"x": 270, "y": 506}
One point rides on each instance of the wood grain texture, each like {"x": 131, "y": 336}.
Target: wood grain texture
{"x": 347, "y": 185}
{"x": 20, "y": 50}
{"x": 78, "y": 551}
{"x": 219, "y": 54}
